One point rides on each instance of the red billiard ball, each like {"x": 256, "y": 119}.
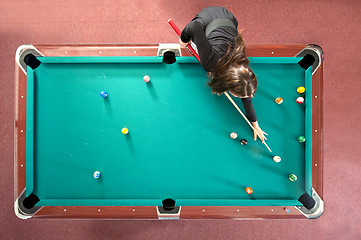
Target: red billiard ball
{"x": 233, "y": 135}
{"x": 300, "y": 100}
{"x": 146, "y": 78}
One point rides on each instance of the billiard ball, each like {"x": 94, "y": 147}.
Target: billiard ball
{"x": 96, "y": 174}
{"x": 244, "y": 142}
{"x": 301, "y": 139}
{"x": 249, "y": 190}
{"x": 146, "y": 78}
{"x": 301, "y": 89}
{"x": 125, "y": 131}
{"x": 277, "y": 159}
{"x": 300, "y": 100}
{"x": 103, "y": 94}
{"x": 233, "y": 135}
{"x": 279, "y": 100}
{"x": 292, "y": 177}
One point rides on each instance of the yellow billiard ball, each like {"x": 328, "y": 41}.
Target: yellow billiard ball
{"x": 125, "y": 130}
{"x": 301, "y": 89}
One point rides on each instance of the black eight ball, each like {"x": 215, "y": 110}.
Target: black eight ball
{"x": 244, "y": 142}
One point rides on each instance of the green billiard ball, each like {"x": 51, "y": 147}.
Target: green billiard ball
{"x": 301, "y": 139}
{"x": 292, "y": 177}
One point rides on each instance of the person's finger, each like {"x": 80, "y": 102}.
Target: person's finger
{"x": 255, "y": 136}
{"x": 265, "y": 133}
{"x": 181, "y": 43}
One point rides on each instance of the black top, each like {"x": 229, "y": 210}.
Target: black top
{"x": 212, "y": 47}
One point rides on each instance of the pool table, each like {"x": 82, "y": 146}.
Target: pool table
{"x": 177, "y": 160}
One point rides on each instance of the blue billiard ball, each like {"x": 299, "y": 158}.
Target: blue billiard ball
{"x": 103, "y": 94}
{"x": 96, "y": 174}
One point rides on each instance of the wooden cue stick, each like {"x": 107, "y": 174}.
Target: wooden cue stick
{"x": 176, "y": 29}
{"x": 245, "y": 118}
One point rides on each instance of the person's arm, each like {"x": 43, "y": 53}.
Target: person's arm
{"x": 248, "y": 106}
{"x": 251, "y": 115}
{"x": 194, "y": 31}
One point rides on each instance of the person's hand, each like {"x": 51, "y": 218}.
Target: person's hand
{"x": 260, "y": 132}
{"x": 183, "y": 44}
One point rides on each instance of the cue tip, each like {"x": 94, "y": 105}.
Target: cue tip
{"x": 267, "y": 146}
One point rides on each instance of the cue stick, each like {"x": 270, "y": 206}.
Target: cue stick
{"x": 240, "y": 111}
{"x": 176, "y": 29}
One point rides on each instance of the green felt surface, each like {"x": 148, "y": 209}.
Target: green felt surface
{"x": 178, "y": 144}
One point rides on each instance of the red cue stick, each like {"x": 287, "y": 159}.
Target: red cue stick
{"x": 176, "y": 29}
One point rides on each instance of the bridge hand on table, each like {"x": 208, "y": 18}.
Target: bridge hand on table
{"x": 260, "y": 132}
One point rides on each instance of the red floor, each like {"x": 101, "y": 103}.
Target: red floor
{"x": 334, "y": 25}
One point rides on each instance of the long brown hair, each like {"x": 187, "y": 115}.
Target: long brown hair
{"x": 232, "y": 72}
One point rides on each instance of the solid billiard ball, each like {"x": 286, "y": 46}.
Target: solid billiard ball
{"x": 146, "y": 78}
{"x": 103, "y": 94}
{"x": 244, "y": 142}
{"x": 249, "y": 190}
{"x": 233, "y": 135}
{"x": 125, "y": 131}
{"x": 292, "y": 177}
{"x": 277, "y": 159}
{"x": 279, "y": 100}
{"x": 301, "y": 139}
{"x": 96, "y": 174}
{"x": 300, "y": 100}
{"x": 301, "y": 89}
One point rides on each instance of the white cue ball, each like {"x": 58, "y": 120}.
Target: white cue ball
{"x": 277, "y": 159}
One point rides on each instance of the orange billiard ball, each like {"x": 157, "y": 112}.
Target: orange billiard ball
{"x": 249, "y": 190}
{"x": 279, "y": 100}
